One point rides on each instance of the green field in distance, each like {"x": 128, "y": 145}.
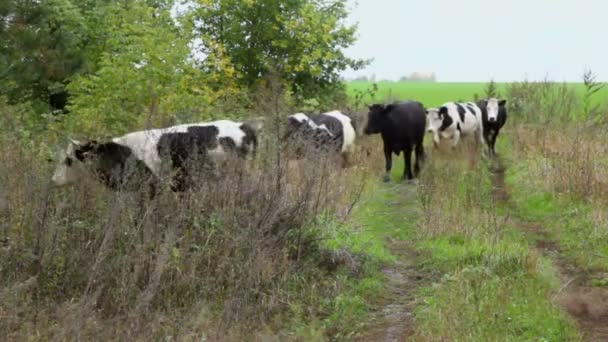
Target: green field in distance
{"x": 433, "y": 94}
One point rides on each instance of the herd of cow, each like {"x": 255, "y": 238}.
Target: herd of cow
{"x": 125, "y": 161}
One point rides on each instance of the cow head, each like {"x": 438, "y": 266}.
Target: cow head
{"x": 493, "y": 106}
{"x": 437, "y": 119}
{"x": 72, "y": 162}
{"x": 376, "y": 117}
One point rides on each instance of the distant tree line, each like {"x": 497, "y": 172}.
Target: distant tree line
{"x": 413, "y": 77}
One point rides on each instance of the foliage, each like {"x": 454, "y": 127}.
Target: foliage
{"x": 301, "y": 40}
{"x": 492, "y": 284}
{"x": 145, "y": 77}
{"x": 491, "y": 89}
{"x": 242, "y": 250}
{"x": 42, "y": 48}
{"x": 591, "y": 111}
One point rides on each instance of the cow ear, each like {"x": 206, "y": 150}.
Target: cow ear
{"x": 501, "y": 103}
{"x": 443, "y": 110}
{"x": 388, "y": 108}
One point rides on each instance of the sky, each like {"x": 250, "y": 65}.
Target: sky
{"x": 479, "y": 40}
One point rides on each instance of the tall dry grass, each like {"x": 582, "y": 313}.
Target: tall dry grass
{"x": 571, "y": 160}
{"x": 224, "y": 258}
{"x": 564, "y": 132}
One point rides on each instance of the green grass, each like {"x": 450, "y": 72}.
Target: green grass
{"x": 434, "y": 94}
{"x": 431, "y": 94}
{"x": 491, "y": 286}
{"x": 378, "y": 217}
{"x": 474, "y": 303}
{"x": 565, "y": 218}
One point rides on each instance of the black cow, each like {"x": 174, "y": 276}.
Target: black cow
{"x": 401, "y": 126}
{"x": 494, "y": 117}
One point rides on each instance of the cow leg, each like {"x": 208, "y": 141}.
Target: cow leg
{"x": 389, "y": 163}
{"x": 493, "y": 143}
{"x": 455, "y": 138}
{"x": 419, "y": 158}
{"x": 407, "y": 157}
{"x": 345, "y": 159}
{"x": 486, "y": 142}
{"x": 436, "y": 139}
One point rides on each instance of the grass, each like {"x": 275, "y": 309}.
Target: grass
{"x": 493, "y": 285}
{"x": 576, "y": 220}
{"x": 487, "y": 280}
{"x": 488, "y": 283}
{"x": 377, "y": 219}
{"x": 434, "y": 94}
{"x": 431, "y": 94}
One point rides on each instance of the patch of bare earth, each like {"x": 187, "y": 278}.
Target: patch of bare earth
{"x": 588, "y": 305}
{"x": 393, "y": 321}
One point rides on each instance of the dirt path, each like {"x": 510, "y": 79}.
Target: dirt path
{"x": 393, "y": 320}
{"x": 588, "y": 305}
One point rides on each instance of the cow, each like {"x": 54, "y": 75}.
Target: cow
{"x": 129, "y": 161}
{"x": 330, "y": 131}
{"x": 453, "y": 120}
{"x": 482, "y": 119}
{"x": 494, "y": 117}
{"x": 401, "y": 126}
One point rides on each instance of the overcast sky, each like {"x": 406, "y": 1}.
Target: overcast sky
{"x": 475, "y": 40}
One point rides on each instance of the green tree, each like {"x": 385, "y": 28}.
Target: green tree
{"x": 144, "y": 75}
{"x": 42, "y": 47}
{"x": 301, "y": 40}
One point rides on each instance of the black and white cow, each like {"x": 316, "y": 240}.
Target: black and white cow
{"x": 453, "y": 120}
{"x": 129, "y": 161}
{"x": 483, "y": 119}
{"x": 332, "y": 131}
{"x": 401, "y": 126}
{"x": 494, "y": 117}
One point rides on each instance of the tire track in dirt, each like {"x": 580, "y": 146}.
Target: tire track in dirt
{"x": 586, "y": 304}
{"x": 393, "y": 320}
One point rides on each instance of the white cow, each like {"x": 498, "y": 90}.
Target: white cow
{"x": 453, "y": 120}
{"x": 140, "y": 156}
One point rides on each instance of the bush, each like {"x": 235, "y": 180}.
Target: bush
{"x": 232, "y": 253}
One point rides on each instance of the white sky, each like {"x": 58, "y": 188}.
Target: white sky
{"x": 475, "y": 40}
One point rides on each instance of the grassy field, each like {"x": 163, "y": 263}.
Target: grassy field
{"x": 435, "y": 94}
{"x": 513, "y": 249}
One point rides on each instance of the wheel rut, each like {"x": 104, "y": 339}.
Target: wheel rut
{"x": 393, "y": 320}
{"x": 586, "y": 304}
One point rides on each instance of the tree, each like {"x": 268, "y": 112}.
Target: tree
{"x": 301, "y": 40}
{"x": 144, "y": 76}
{"x": 491, "y": 89}
{"x": 43, "y": 43}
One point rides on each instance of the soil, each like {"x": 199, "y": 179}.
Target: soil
{"x": 393, "y": 320}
